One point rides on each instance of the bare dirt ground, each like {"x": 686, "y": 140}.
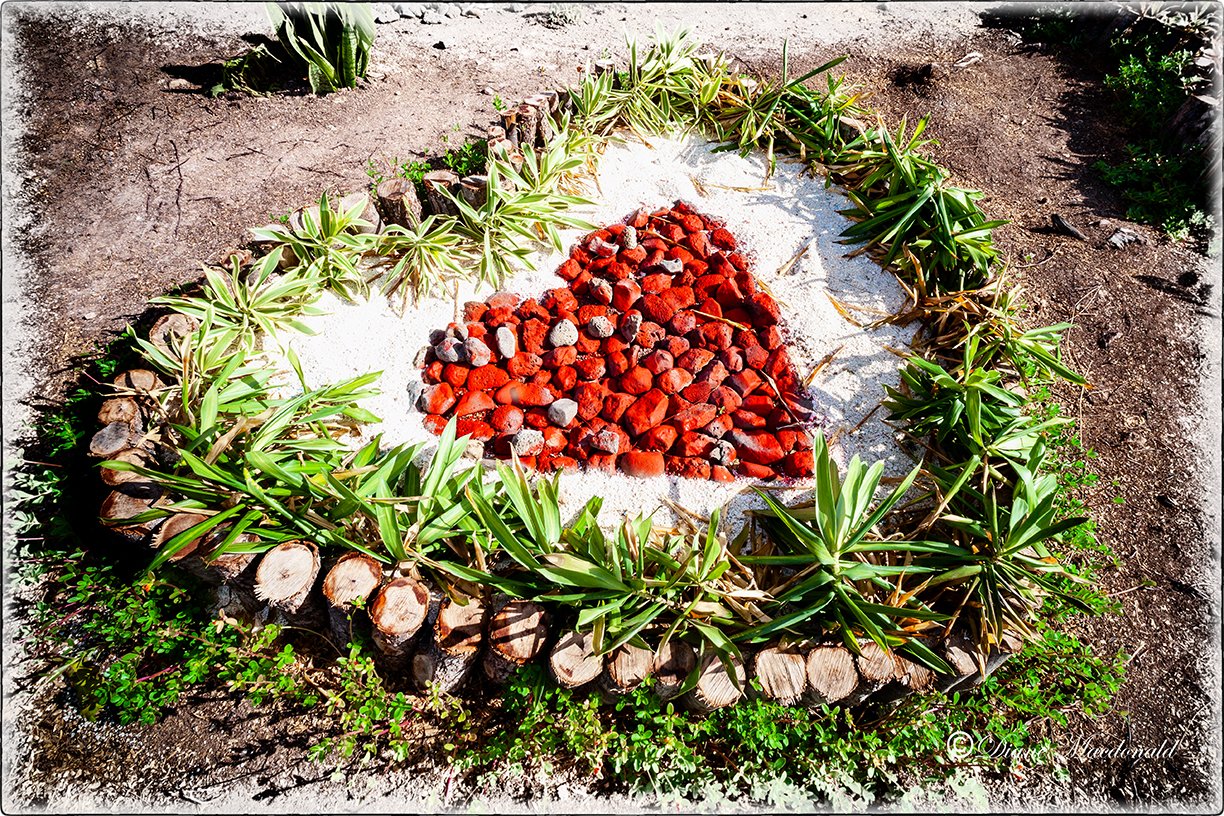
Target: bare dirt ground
{"x": 118, "y": 182}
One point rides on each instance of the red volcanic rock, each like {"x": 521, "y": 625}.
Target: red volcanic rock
{"x": 642, "y": 464}
{"x": 673, "y": 380}
{"x": 529, "y": 394}
{"x": 523, "y": 364}
{"x": 636, "y": 381}
{"x": 648, "y": 411}
{"x": 437, "y": 399}
{"x": 486, "y": 378}
{"x": 615, "y": 405}
{"x": 694, "y": 417}
{"x": 474, "y": 402}
{"x": 759, "y": 447}
{"x": 671, "y": 361}
{"x": 507, "y": 419}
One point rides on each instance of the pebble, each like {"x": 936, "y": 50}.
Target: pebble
{"x": 600, "y": 327}
{"x": 449, "y": 350}
{"x": 385, "y": 13}
{"x": 419, "y": 360}
{"x": 432, "y": 18}
{"x": 564, "y": 333}
{"x": 723, "y": 453}
{"x": 607, "y": 441}
{"x": 673, "y": 265}
{"x": 413, "y": 10}
{"x": 631, "y": 325}
{"x": 477, "y": 352}
{"x": 562, "y": 412}
{"x": 506, "y": 342}
{"x": 527, "y": 442}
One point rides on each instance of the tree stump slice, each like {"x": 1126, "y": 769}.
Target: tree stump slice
{"x": 474, "y": 190}
{"x": 435, "y": 182}
{"x": 127, "y": 501}
{"x": 960, "y": 652}
{"x": 573, "y": 660}
{"x": 398, "y": 202}
{"x": 169, "y": 333}
{"x": 627, "y": 667}
{"x": 285, "y": 579}
{"x": 139, "y": 380}
{"x": 367, "y": 213}
{"x": 113, "y": 439}
{"x": 398, "y": 612}
{"x": 672, "y": 665}
{"x": 133, "y": 456}
{"x": 350, "y": 581}
{"x": 544, "y": 129}
{"x": 715, "y": 687}
{"x": 121, "y": 409}
{"x": 526, "y": 126}
{"x": 516, "y": 635}
{"x": 876, "y": 667}
{"x": 783, "y": 674}
{"x": 189, "y": 557}
{"x": 831, "y": 675}
{"x": 452, "y": 645}
{"x": 236, "y": 596}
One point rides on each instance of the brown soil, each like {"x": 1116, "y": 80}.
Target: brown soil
{"x": 136, "y": 184}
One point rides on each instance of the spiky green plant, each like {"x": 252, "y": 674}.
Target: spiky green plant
{"x": 332, "y": 41}
{"x": 326, "y": 246}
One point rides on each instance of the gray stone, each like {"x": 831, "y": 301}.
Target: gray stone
{"x": 419, "y": 360}
{"x": 1123, "y": 236}
{"x": 562, "y": 412}
{"x": 505, "y": 341}
{"x": 449, "y": 350}
{"x": 600, "y": 326}
{"x": 449, "y": 10}
{"x": 431, "y": 17}
{"x": 436, "y": 336}
{"x": 723, "y": 453}
{"x": 629, "y": 238}
{"x": 607, "y": 441}
{"x": 478, "y": 353}
{"x": 631, "y": 325}
{"x": 385, "y": 13}
{"x": 564, "y": 333}
{"x": 672, "y": 265}
{"x": 459, "y": 331}
{"x": 471, "y": 11}
{"x": 413, "y": 10}
{"x": 527, "y": 442}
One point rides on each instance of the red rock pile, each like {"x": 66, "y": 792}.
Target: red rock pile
{"x": 661, "y": 355}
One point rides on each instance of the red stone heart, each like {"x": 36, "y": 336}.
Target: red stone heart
{"x": 660, "y": 355}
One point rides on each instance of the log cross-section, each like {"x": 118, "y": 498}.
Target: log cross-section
{"x": 782, "y": 673}
{"x": 716, "y": 686}
{"x": 831, "y": 675}
{"x": 285, "y": 578}
{"x": 124, "y": 503}
{"x": 436, "y": 182}
{"x": 398, "y": 612}
{"x": 349, "y": 582}
{"x": 628, "y": 666}
{"x": 398, "y": 202}
{"x": 673, "y": 663}
{"x": 452, "y": 644}
{"x": 516, "y": 635}
{"x": 573, "y": 660}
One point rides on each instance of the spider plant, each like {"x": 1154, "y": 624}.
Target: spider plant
{"x": 331, "y": 40}
{"x": 238, "y": 306}
{"x": 665, "y": 87}
{"x": 624, "y": 586}
{"x": 522, "y": 209}
{"x": 831, "y": 564}
{"x": 325, "y": 246}
{"x": 997, "y": 569}
{"x": 416, "y": 260}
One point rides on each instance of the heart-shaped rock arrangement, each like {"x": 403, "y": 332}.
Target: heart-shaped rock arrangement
{"x": 661, "y": 355}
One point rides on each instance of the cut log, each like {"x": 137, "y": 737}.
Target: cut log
{"x": 783, "y": 674}
{"x": 605, "y": 66}
{"x": 435, "y": 182}
{"x": 628, "y": 666}
{"x": 451, "y": 646}
{"x": 544, "y": 128}
{"x": 831, "y": 676}
{"x": 139, "y": 380}
{"x": 348, "y": 584}
{"x": 876, "y": 668}
{"x": 113, "y": 439}
{"x": 398, "y": 202}
{"x": 960, "y": 652}
{"x": 715, "y": 687}
{"x": 169, "y": 333}
{"x": 367, "y": 213}
{"x": 516, "y": 635}
{"x": 474, "y": 190}
{"x": 133, "y": 456}
{"x": 398, "y": 613}
{"x": 673, "y": 664}
{"x": 573, "y": 660}
{"x": 127, "y": 501}
{"x": 526, "y": 126}
{"x": 285, "y": 579}
{"x": 236, "y": 571}
{"x": 121, "y": 409}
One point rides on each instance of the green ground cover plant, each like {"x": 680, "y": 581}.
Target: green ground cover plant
{"x": 978, "y": 532}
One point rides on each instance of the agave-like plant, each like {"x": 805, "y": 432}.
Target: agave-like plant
{"x": 418, "y": 259}
{"x": 326, "y": 247}
{"x": 832, "y": 568}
